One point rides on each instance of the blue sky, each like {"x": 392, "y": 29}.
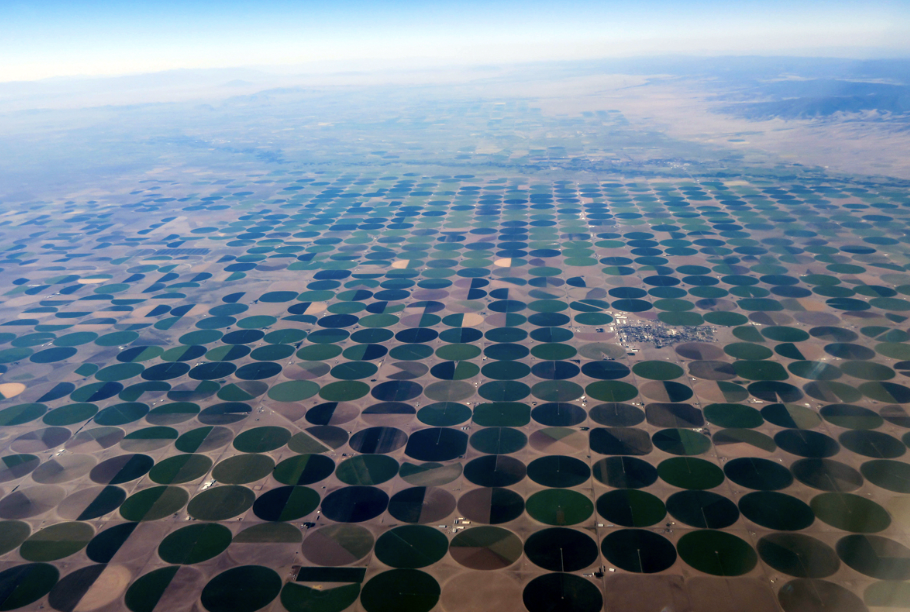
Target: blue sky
{"x": 46, "y": 38}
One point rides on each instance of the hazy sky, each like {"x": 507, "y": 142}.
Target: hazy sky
{"x": 45, "y": 38}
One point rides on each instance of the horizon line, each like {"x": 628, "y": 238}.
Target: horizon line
{"x": 416, "y": 64}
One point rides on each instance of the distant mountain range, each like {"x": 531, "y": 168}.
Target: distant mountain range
{"x": 813, "y": 98}
{"x": 783, "y": 87}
